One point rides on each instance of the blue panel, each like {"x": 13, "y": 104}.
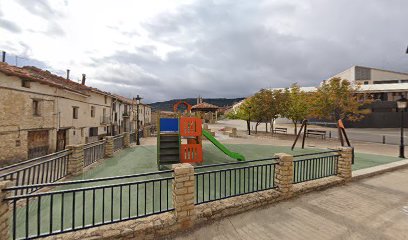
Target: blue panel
{"x": 169, "y": 125}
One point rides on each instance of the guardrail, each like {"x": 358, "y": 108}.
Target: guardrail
{"x": 132, "y": 137}
{"x": 50, "y": 170}
{"x": 118, "y": 142}
{"x": 315, "y": 167}
{"x": 64, "y": 210}
{"x": 230, "y": 182}
{"x": 93, "y": 152}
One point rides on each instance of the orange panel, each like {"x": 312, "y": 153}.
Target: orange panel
{"x": 191, "y": 153}
{"x": 190, "y": 127}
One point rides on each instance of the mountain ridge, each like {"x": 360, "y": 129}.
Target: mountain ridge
{"x": 168, "y": 105}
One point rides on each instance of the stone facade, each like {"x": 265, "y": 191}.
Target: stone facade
{"x": 284, "y": 174}
{"x": 126, "y": 139}
{"x": 344, "y": 169}
{"x": 5, "y": 211}
{"x": 75, "y": 160}
{"x": 183, "y": 194}
{"x": 108, "y": 146}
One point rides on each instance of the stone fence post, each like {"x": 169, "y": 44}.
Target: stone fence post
{"x": 344, "y": 169}
{"x": 76, "y": 159}
{"x": 126, "y": 139}
{"x": 108, "y": 146}
{"x": 284, "y": 174}
{"x": 5, "y": 211}
{"x": 183, "y": 194}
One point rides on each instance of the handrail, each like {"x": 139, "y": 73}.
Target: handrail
{"x": 235, "y": 163}
{"x": 310, "y": 154}
{"x": 16, "y": 197}
{"x": 236, "y": 168}
{"x": 32, "y": 160}
{"x": 92, "y": 144}
{"x": 86, "y": 180}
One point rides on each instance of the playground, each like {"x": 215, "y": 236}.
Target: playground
{"x": 128, "y": 185}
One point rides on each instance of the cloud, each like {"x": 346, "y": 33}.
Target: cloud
{"x": 220, "y": 48}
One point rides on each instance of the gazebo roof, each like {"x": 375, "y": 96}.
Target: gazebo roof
{"x": 204, "y": 106}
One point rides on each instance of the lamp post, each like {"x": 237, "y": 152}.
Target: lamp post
{"x": 138, "y": 98}
{"x": 402, "y": 105}
{"x": 249, "y": 120}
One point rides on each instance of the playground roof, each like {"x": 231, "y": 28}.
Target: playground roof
{"x": 205, "y": 106}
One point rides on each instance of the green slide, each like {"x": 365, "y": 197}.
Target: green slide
{"x": 220, "y": 146}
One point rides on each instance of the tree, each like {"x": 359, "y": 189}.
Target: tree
{"x": 298, "y": 105}
{"x": 243, "y": 111}
{"x": 337, "y": 99}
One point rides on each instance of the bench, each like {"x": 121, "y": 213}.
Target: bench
{"x": 315, "y": 132}
{"x": 280, "y": 130}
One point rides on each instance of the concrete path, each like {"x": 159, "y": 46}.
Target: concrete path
{"x": 372, "y": 208}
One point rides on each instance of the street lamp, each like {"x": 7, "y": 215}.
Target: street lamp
{"x": 402, "y": 105}
{"x": 249, "y": 120}
{"x": 138, "y": 98}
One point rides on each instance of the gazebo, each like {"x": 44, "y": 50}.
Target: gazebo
{"x": 208, "y": 112}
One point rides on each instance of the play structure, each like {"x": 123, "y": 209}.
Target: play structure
{"x": 179, "y": 140}
{"x": 341, "y": 131}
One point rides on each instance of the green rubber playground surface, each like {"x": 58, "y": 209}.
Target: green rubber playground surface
{"x": 134, "y": 199}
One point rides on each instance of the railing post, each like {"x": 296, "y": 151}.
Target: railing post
{"x": 126, "y": 139}
{"x": 5, "y": 211}
{"x": 344, "y": 169}
{"x": 284, "y": 174}
{"x": 75, "y": 159}
{"x": 108, "y": 146}
{"x": 183, "y": 194}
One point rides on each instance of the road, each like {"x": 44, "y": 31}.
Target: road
{"x": 372, "y": 208}
{"x": 376, "y": 135}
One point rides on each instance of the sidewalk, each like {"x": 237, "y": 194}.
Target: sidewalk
{"x": 371, "y": 208}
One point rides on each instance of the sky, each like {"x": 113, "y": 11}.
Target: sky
{"x": 163, "y": 49}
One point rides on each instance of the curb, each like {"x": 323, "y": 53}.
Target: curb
{"x": 372, "y": 171}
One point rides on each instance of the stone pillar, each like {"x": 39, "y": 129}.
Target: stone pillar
{"x": 76, "y": 159}
{"x": 108, "y": 146}
{"x": 344, "y": 169}
{"x": 183, "y": 194}
{"x": 126, "y": 139}
{"x": 5, "y": 211}
{"x": 284, "y": 174}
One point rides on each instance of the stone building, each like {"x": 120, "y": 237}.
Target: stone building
{"x": 41, "y": 113}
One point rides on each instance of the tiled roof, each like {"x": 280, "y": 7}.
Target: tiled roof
{"x": 204, "y": 105}
{"x": 123, "y": 99}
{"x": 41, "y": 76}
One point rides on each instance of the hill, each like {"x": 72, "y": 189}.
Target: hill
{"x": 168, "y": 105}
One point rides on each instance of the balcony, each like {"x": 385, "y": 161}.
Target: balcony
{"x": 125, "y": 115}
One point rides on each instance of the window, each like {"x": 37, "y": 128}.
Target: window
{"x": 25, "y": 83}
{"x": 75, "y": 112}
{"x": 36, "y": 107}
{"x": 114, "y": 106}
{"x": 92, "y": 111}
{"x": 106, "y": 99}
{"x": 365, "y": 82}
{"x": 93, "y": 131}
{"x": 104, "y": 112}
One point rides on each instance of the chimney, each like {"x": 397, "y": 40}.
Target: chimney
{"x": 83, "y": 78}
{"x": 68, "y": 73}
{"x": 4, "y": 56}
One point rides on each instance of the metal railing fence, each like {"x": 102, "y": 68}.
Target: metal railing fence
{"x": 45, "y": 171}
{"x": 64, "y": 210}
{"x": 118, "y": 142}
{"x": 93, "y": 152}
{"x": 313, "y": 168}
